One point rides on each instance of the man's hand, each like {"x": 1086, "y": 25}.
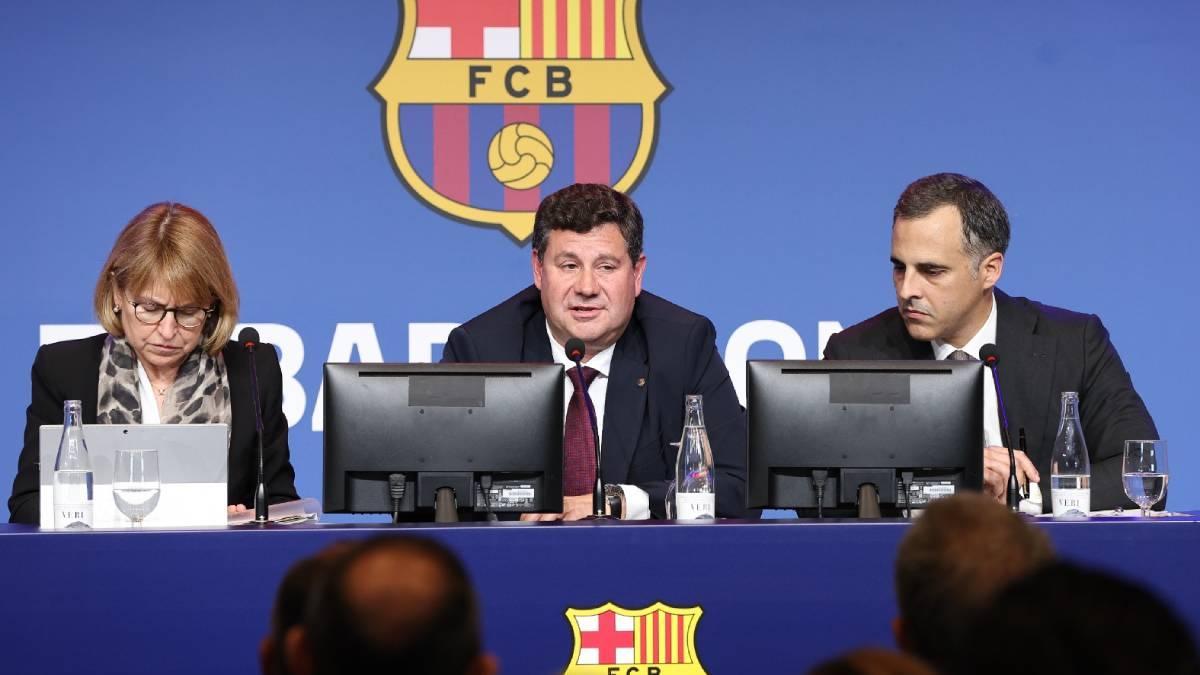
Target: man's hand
{"x": 995, "y": 471}
{"x": 574, "y": 508}
{"x": 235, "y": 509}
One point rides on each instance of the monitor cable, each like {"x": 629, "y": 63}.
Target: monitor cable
{"x": 396, "y": 486}
{"x": 485, "y": 488}
{"x": 818, "y": 478}
{"x": 906, "y": 479}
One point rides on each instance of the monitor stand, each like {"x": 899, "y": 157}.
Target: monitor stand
{"x": 868, "y": 501}
{"x": 445, "y": 509}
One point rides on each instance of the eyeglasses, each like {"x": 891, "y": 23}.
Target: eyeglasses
{"x": 151, "y": 314}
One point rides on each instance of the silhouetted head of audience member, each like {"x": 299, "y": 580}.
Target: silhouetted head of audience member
{"x": 1067, "y": 620}
{"x": 291, "y": 605}
{"x": 873, "y": 661}
{"x": 393, "y": 605}
{"x": 950, "y": 564}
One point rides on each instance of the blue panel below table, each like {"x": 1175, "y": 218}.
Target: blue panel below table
{"x": 776, "y": 596}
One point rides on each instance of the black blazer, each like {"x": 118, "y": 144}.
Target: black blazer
{"x": 1045, "y": 351}
{"x": 71, "y": 370}
{"x": 665, "y": 353}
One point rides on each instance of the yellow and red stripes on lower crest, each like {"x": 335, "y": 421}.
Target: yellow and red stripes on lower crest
{"x": 661, "y": 637}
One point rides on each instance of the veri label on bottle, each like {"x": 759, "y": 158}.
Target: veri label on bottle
{"x": 1068, "y": 500}
{"x": 692, "y": 506}
{"x": 66, "y": 515}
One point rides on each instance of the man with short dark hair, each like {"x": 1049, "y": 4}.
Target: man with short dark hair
{"x": 643, "y": 355}
{"x": 1069, "y": 620}
{"x": 392, "y": 605}
{"x": 291, "y": 605}
{"x": 956, "y": 556}
{"x": 949, "y": 238}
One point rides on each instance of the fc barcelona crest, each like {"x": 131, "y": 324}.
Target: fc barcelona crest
{"x": 489, "y": 105}
{"x": 657, "y": 639}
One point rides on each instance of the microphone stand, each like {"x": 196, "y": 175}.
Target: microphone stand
{"x": 260, "y": 493}
{"x": 1013, "y": 492}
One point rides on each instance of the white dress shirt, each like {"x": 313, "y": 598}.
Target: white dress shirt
{"x": 146, "y": 393}
{"x": 637, "y": 501}
{"x": 986, "y": 334}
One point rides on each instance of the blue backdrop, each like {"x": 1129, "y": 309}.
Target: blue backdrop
{"x": 789, "y": 130}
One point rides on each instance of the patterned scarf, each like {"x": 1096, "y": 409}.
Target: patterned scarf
{"x": 199, "y": 395}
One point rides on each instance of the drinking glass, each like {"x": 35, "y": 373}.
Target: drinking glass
{"x": 135, "y": 483}
{"x": 1144, "y": 473}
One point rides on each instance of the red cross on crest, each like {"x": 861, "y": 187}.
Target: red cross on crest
{"x": 607, "y": 639}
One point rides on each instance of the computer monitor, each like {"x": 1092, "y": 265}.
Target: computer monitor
{"x": 911, "y": 430}
{"x": 480, "y": 430}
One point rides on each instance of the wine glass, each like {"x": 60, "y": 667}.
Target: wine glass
{"x": 135, "y": 485}
{"x": 1144, "y": 473}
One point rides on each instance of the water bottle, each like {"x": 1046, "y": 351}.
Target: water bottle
{"x": 72, "y": 473}
{"x": 695, "y": 491}
{"x": 1070, "y": 468}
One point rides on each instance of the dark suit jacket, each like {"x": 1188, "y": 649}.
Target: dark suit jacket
{"x": 664, "y": 354}
{"x": 1044, "y": 352}
{"x": 70, "y": 370}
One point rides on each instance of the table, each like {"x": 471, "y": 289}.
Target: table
{"x": 776, "y": 595}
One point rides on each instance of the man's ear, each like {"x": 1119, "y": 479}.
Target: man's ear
{"x": 899, "y": 635}
{"x": 991, "y": 268}
{"x": 484, "y": 664}
{"x": 297, "y": 652}
{"x": 536, "y": 264}
{"x": 266, "y": 656}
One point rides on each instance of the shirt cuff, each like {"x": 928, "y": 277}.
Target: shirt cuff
{"x": 637, "y": 503}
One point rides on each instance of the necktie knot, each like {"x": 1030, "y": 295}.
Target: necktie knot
{"x": 589, "y": 374}
{"x": 960, "y": 355}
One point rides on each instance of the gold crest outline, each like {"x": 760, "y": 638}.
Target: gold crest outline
{"x": 696, "y": 613}
{"x": 517, "y": 224}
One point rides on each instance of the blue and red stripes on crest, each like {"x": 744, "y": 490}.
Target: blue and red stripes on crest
{"x": 447, "y": 144}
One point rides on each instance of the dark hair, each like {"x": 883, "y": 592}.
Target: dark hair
{"x": 295, "y": 593}
{"x": 951, "y": 563}
{"x": 1066, "y": 619}
{"x": 985, "y": 222}
{"x": 583, "y": 207}
{"x": 401, "y": 631}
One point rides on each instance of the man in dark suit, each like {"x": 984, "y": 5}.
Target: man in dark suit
{"x": 648, "y": 354}
{"x": 949, "y": 237}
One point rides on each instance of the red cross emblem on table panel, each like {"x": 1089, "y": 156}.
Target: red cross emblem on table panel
{"x": 611, "y": 644}
{"x": 658, "y": 635}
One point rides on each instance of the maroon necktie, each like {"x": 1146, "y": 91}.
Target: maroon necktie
{"x": 579, "y": 448}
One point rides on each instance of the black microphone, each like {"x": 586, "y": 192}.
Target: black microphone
{"x": 248, "y": 337}
{"x": 991, "y": 358}
{"x": 576, "y": 351}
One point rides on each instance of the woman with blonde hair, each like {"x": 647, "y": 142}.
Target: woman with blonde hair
{"x": 167, "y": 299}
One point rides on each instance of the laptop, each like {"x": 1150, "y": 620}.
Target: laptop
{"x": 193, "y": 465}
